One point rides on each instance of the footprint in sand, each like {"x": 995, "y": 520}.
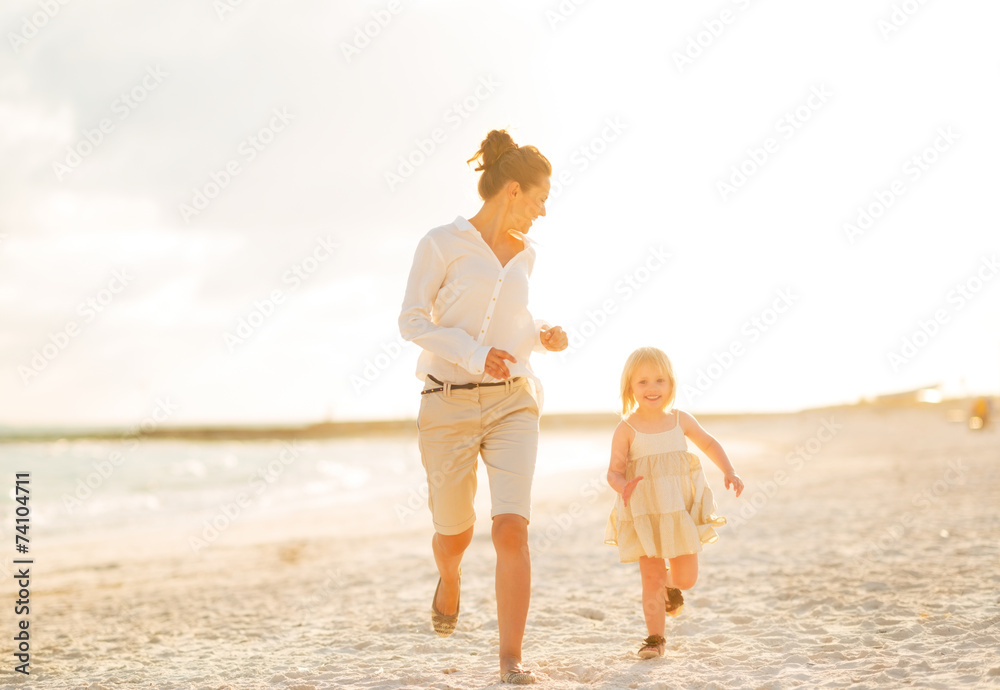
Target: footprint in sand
{"x": 871, "y": 604}
{"x": 946, "y": 630}
{"x": 741, "y": 620}
{"x": 592, "y": 614}
{"x": 874, "y": 586}
{"x": 796, "y": 659}
{"x": 903, "y": 633}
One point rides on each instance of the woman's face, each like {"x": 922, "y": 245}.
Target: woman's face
{"x": 651, "y": 388}
{"x": 528, "y": 205}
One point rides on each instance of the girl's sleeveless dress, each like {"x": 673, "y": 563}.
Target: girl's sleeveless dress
{"x": 671, "y": 512}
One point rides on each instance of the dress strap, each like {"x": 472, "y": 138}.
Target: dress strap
{"x": 629, "y": 425}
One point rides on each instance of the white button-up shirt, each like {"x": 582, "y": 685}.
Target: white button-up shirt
{"x": 460, "y": 302}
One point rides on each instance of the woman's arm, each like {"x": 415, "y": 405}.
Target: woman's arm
{"x": 551, "y": 338}
{"x": 711, "y": 448}
{"x": 427, "y": 277}
{"x": 541, "y": 327}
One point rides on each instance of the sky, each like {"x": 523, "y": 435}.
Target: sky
{"x": 208, "y": 210}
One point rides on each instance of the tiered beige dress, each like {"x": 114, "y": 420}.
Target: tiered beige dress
{"x": 671, "y": 512}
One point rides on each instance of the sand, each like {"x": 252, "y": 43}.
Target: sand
{"x": 870, "y": 557}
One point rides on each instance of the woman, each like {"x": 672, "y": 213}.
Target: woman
{"x": 466, "y": 305}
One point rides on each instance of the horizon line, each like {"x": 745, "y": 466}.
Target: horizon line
{"x": 337, "y": 428}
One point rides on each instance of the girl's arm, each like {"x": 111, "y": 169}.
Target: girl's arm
{"x": 712, "y": 448}
{"x": 619, "y": 461}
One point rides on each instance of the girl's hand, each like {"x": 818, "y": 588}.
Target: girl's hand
{"x": 627, "y": 491}
{"x": 733, "y": 480}
{"x": 554, "y": 339}
{"x": 495, "y": 366}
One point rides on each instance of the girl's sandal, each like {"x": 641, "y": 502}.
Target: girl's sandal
{"x": 444, "y": 625}
{"x": 518, "y": 676}
{"x": 675, "y": 602}
{"x": 652, "y": 647}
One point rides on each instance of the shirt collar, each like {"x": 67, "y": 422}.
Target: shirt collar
{"x": 464, "y": 225}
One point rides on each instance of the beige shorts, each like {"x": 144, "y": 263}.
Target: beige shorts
{"x": 455, "y": 428}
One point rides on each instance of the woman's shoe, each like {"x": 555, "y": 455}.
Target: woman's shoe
{"x": 652, "y": 647}
{"x": 445, "y": 625}
{"x": 518, "y": 676}
{"x": 675, "y": 602}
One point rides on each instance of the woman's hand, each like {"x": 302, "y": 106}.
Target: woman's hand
{"x": 733, "y": 480}
{"x": 629, "y": 488}
{"x": 554, "y": 339}
{"x": 495, "y": 366}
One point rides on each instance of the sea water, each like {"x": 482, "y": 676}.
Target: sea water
{"x": 82, "y": 486}
{"x": 196, "y": 493}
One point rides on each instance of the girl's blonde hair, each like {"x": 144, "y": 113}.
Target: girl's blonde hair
{"x": 646, "y": 355}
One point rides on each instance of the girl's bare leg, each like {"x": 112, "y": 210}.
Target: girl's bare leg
{"x": 683, "y": 571}
{"x": 448, "y": 552}
{"x": 654, "y": 579}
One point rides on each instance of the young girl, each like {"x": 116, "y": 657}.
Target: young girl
{"x": 665, "y": 509}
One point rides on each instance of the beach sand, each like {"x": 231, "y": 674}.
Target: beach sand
{"x": 869, "y": 557}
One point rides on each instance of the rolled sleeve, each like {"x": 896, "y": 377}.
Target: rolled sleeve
{"x": 477, "y": 364}
{"x": 427, "y": 275}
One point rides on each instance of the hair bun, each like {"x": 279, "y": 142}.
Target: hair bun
{"x": 502, "y": 161}
{"x": 497, "y": 143}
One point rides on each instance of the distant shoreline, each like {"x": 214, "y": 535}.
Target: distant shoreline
{"x": 321, "y": 430}
{"x": 399, "y": 427}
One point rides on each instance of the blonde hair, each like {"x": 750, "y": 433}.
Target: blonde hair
{"x": 645, "y": 355}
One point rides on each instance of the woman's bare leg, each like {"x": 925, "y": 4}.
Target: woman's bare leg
{"x": 513, "y": 585}
{"x": 448, "y": 552}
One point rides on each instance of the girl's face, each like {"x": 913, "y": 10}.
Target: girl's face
{"x": 651, "y": 388}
